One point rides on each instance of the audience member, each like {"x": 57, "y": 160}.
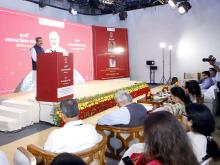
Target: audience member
{"x": 174, "y": 82}
{"x": 201, "y": 124}
{"x": 206, "y": 82}
{"x": 216, "y": 66}
{"x": 75, "y": 135}
{"x": 166, "y": 143}
{"x": 213, "y": 72}
{"x": 178, "y": 100}
{"x": 193, "y": 89}
{"x": 3, "y": 159}
{"x": 67, "y": 159}
{"x": 129, "y": 114}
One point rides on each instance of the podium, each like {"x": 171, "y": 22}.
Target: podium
{"x": 54, "y": 77}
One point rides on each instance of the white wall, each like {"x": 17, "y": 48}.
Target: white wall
{"x": 194, "y": 35}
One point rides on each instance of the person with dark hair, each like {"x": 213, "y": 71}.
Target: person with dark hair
{"x": 201, "y": 123}
{"x": 75, "y": 135}
{"x": 67, "y": 159}
{"x": 35, "y": 51}
{"x": 166, "y": 143}
{"x": 206, "y": 82}
{"x": 178, "y": 100}
{"x": 193, "y": 89}
{"x": 174, "y": 81}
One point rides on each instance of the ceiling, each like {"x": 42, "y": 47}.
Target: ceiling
{"x": 100, "y": 7}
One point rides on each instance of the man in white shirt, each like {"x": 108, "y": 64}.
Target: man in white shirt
{"x": 75, "y": 135}
{"x": 129, "y": 114}
{"x": 3, "y": 159}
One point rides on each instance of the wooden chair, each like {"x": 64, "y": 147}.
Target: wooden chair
{"x": 24, "y": 157}
{"x": 95, "y": 153}
{"x": 125, "y": 135}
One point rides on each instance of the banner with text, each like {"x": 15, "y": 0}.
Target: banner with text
{"x": 18, "y": 32}
{"x": 110, "y": 53}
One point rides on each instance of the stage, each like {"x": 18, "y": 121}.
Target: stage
{"x": 18, "y": 110}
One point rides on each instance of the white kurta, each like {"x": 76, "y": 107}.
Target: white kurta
{"x": 73, "y": 137}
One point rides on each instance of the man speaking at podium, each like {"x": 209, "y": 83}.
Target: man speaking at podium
{"x": 35, "y": 51}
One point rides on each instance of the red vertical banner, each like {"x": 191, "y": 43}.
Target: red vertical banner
{"x": 54, "y": 77}
{"x": 110, "y": 53}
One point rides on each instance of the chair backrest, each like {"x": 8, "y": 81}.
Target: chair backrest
{"x": 126, "y": 136}
{"x": 192, "y": 76}
{"x": 95, "y": 153}
{"x": 24, "y": 157}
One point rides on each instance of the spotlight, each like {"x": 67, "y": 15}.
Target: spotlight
{"x": 172, "y": 3}
{"x": 184, "y": 7}
{"x": 123, "y": 15}
{"x": 107, "y": 2}
{"x": 170, "y": 47}
{"x": 162, "y": 45}
{"x": 72, "y": 11}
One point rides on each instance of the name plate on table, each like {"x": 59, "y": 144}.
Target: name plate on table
{"x": 65, "y": 91}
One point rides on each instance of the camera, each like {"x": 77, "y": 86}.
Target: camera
{"x": 211, "y": 58}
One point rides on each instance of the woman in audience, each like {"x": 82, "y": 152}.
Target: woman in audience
{"x": 174, "y": 82}
{"x": 178, "y": 100}
{"x": 166, "y": 143}
{"x": 193, "y": 89}
{"x": 201, "y": 124}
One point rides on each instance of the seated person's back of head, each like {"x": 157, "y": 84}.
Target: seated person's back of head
{"x": 201, "y": 124}
{"x": 75, "y": 135}
{"x": 166, "y": 142}
{"x": 129, "y": 114}
{"x": 67, "y": 159}
{"x": 193, "y": 89}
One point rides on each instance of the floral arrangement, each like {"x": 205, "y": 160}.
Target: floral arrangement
{"x": 57, "y": 117}
{"x": 149, "y": 95}
{"x": 89, "y": 106}
{"x": 165, "y": 89}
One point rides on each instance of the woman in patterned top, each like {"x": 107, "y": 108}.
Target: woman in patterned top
{"x": 178, "y": 101}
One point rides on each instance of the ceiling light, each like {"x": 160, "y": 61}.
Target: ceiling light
{"x": 72, "y": 11}
{"x": 172, "y": 3}
{"x": 184, "y": 7}
{"x": 107, "y": 2}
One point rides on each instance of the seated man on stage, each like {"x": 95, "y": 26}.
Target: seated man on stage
{"x": 206, "y": 82}
{"x": 129, "y": 114}
{"x": 75, "y": 135}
